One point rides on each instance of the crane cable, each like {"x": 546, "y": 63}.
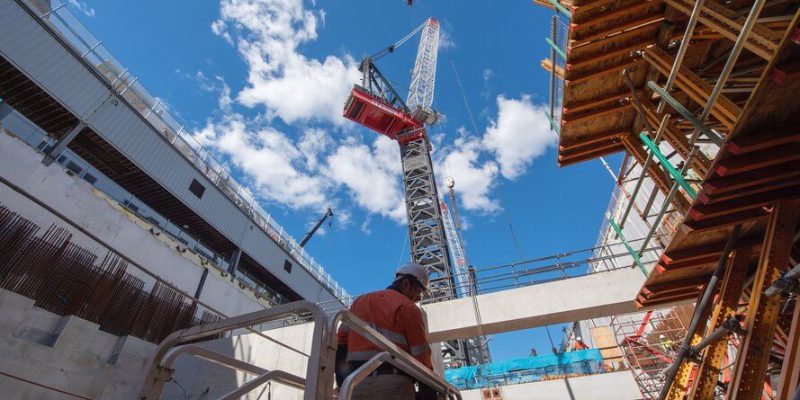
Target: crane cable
{"x": 394, "y": 46}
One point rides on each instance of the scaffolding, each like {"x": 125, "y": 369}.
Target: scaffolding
{"x": 700, "y": 95}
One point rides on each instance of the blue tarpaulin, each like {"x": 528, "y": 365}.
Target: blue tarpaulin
{"x": 530, "y": 369}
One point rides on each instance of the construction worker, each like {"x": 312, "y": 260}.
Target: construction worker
{"x": 392, "y": 312}
{"x": 579, "y": 345}
{"x": 666, "y": 344}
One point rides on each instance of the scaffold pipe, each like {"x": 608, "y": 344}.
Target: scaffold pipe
{"x": 678, "y": 176}
{"x": 560, "y": 8}
{"x": 556, "y": 48}
{"x": 687, "y": 37}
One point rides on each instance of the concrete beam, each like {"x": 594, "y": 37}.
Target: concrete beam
{"x": 589, "y": 296}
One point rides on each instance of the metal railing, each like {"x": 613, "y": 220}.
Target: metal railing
{"x": 92, "y": 52}
{"x": 159, "y": 370}
{"x": 319, "y": 379}
{"x": 391, "y": 354}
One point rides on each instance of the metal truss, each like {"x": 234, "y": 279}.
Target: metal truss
{"x": 426, "y": 232}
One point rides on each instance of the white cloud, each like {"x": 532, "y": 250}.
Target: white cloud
{"x": 446, "y": 41}
{"x": 310, "y": 169}
{"x": 312, "y": 144}
{"x": 518, "y": 135}
{"x": 370, "y": 175}
{"x": 290, "y": 85}
{"x": 474, "y": 179}
{"x": 273, "y": 164}
{"x": 82, "y": 7}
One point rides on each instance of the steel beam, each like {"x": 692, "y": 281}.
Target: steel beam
{"x": 763, "y": 311}
{"x": 680, "y": 384}
{"x": 732, "y": 286}
{"x": 790, "y": 370}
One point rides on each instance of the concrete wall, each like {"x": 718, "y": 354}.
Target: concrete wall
{"x": 65, "y": 353}
{"x": 126, "y": 233}
{"x": 202, "y": 379}
{"x": 72, "y": 355}
{"x": 615, "y": 385}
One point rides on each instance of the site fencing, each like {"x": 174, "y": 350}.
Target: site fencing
{"x": 529, "y": 369}
{"x": 56, "y": 15}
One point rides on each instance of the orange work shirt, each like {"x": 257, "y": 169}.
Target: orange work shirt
{"x": 395, "y": 317}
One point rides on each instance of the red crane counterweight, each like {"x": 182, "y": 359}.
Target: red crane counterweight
{"x": 377, "y": 114}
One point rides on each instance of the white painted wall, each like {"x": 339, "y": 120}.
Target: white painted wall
{"x": 614, "y": 385}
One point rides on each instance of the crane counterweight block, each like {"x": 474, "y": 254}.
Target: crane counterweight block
{"x": 373, "y": 112}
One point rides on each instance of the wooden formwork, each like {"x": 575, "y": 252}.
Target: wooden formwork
{"x": 750, "y": 180}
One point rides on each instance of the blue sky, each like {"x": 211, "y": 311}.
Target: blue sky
{"x": 262, "y": 83}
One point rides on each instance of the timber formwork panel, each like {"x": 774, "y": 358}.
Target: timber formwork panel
{"x": 752, "y": 170}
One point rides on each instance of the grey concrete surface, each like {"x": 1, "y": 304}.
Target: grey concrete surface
{"x": 614, "y": 385}
{"x": 574, "y": 299}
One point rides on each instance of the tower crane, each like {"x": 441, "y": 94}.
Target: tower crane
{"x": 378, "y": 106}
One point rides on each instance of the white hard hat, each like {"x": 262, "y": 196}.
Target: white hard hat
{"x": 415, "y": 270}
{"x": 578, "y": 338}
{"x": 661, "y": 336}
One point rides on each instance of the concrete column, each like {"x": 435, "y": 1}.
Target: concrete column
{"x": 201, "y": 284}
{"x": 52, "y": 153}
{"x": 5, "y": 109}
{"x": 234, "y": 263}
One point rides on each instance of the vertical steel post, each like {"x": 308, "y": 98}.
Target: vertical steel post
{"x": 763, "y": 311}
{"x": 732, "y": 286}
{"x": 553, "y": 78}
{"x": 698, "y": 315}
{"x": 687, "y": 37}
{"x": 790, "y": 371}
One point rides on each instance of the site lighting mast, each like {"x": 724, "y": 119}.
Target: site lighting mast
{"x": 377, "y": 105}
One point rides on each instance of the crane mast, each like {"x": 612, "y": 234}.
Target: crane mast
{"x": 423, "y": 77}
{"x": 377, "y": 105}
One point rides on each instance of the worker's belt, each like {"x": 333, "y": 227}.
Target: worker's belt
{"x": 383, "y": 369}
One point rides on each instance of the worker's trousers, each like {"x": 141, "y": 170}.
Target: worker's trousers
{"x": 385, "y": 387}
